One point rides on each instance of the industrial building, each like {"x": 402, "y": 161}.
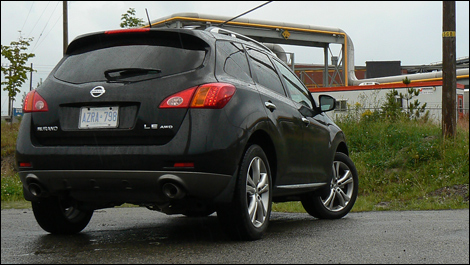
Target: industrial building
{"x": 338, "y": 76}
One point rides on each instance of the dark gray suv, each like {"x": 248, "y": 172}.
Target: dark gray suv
{"x": 181, "y": 121}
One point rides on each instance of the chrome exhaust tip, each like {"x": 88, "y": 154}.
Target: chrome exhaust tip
{"x": 34, "y": 187}
{"x": 173, "y": 191}
{"x": 36, "y": 190}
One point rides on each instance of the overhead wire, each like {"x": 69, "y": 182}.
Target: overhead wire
{"x": 31, "y": 8}
{"x": 37, "y": 22}
{"x": 46, "y": 25}
{"x": 39, "y": 44}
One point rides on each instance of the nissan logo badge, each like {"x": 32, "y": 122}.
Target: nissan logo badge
{"x": 97, "y": 91}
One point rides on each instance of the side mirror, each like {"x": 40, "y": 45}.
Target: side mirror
{"x": 327, "y": 103}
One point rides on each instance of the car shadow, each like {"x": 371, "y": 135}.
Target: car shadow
{"x": 169, "y": 235}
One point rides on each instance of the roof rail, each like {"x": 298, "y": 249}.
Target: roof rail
{"x": 238, "y": 36}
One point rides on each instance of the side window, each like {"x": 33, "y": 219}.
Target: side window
{"x": 265, "y": 72}
{"x": 341, "y": 105}
{"x": 297, "y": 91}
{"x": 234, "y": 60}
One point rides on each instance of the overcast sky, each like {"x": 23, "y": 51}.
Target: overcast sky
{"x": 410, "y": 32}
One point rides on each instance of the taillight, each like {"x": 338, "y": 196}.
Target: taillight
{"x": 34, "y": 103}
{"x": 179, "y": 100}
{"x": 207, "y": 96}
{"x": 213, "y": 96}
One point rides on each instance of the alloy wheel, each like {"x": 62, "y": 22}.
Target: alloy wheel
{"x": 257, "y": 191}
{"x": 341, "y": 188}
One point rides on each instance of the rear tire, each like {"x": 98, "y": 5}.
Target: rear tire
{"x": 60, "y": 216}
{"x": 247, "y": 216}
{"x": 337, "y": 199}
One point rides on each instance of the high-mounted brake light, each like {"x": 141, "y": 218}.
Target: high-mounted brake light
{"x": 117, "y": 31}
{"x": 34, "y": 103}
{"x": 207, "y": 96}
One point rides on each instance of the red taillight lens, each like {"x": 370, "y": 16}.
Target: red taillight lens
{"x": 208, "y": 96}
{"x": 178, "y": 100}
{"x": 25, "y": 164}
{"x": 34, "y": 103}
{"x": 185, "y": 164}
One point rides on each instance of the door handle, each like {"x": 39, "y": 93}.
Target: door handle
{"x": 270, "y": 106}
{"x": 306, "y": 121}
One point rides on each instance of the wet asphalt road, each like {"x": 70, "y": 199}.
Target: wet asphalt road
{"x": 138, "y": 235}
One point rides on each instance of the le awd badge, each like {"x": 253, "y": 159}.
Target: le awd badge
{"x": 156, "y": 127}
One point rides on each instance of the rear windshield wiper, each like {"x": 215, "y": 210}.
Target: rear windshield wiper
{"x": 115, "y": 74}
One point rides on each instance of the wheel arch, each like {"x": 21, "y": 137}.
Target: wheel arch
{"x": 263, "y": 139}
{"x": 342, "y": 148}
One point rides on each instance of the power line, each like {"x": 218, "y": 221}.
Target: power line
{"x": 45, "y": 26}
{"x": 49, "y": 31}
{"x": 35, "y": 24}
{"x": 27, "y": 16}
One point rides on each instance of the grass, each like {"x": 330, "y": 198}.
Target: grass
{"x": 11, "y": 187}
{"x": 409, "y": 165}
{"x": 403, "y": 165}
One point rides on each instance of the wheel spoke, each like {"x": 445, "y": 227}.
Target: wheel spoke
{"x": 346, "y": 179}
{"x": 249, "y": 181}
{"x": 252, "y": 207}
{"x": 250, "y": 190}
{"x": 341, "y": 197}
{"x": 261, "y": 213}
{"x": 264, "y": 190}
{"x": 253, "y": 211}
{"x": 263, "y": 185}
{"x": 329, "y": 201}
{"x": 256, "y": 171}
{"x": 262, "y": 182}
{"x": 337, "y": 164}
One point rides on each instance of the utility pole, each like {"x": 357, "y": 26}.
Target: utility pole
{"x": 65, "y": 27}
{"x": 31, "y": 78}
{"x": 10, "y": 101}
{"x": 449, "y": 81}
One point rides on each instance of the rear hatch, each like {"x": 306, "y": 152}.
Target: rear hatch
{"x": 108, "y": 88}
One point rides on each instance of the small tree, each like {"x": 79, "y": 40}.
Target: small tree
{"x": 414, "y": 108}
{"x": 391, "y": 109}
{"x": 16, "y": 72}
{"x": 130, "y": 21}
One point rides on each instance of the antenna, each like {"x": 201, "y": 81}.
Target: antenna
{"x": 150, "y": 25}
{"x": 221, "y": 25}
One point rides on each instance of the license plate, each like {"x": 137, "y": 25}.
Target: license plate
{"x": 102, "y": 117}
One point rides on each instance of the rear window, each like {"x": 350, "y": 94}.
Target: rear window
{"x": 156, "y": 52}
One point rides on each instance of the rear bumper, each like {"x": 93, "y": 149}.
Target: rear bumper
{"x": 211, "y": 150}
{"x": 136, "y": 174}
{"x": 139, "y": 187}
